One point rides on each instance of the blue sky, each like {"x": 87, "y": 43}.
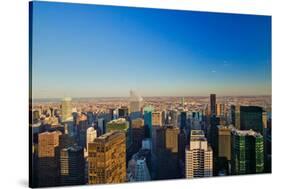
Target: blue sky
{"x": 94, "y": 51}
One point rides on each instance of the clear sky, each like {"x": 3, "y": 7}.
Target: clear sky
{"x": 104, "y": 51}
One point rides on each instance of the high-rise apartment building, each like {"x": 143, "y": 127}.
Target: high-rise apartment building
{"x": 107, "y": 159}
{"x": 199, "y": 156}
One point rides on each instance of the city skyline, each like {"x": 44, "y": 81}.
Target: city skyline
{"x": 105, "y": 51}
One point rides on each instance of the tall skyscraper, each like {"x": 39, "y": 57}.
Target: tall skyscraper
{"x": 107, "y": 159}
{"x": 199, "y": 156}
{"x": 247, "y": 117}
{"x": 247, "y": 152}
{"x": 183, "y": 120}
{"x": 91, "y": 135}
{"x": 251, "y": 118}
{"x": 223, "y": 150}
{"x": 213, "y": 104}
{"x": 72, "y": 166}
{"x": 82, "y": 126}
{"x": 137, "y": 134}
{"x": 135, "y": 102}
{"x": 147, "y": 115}
{"x": 48, "y": 171}
{"x": 66, "y": 109}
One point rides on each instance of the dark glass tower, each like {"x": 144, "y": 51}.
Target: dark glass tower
{"x": 247, "y": 152}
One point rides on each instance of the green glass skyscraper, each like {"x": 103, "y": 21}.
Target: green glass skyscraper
{"x": 247, "y": 152}
{"x": 147, "y": 115}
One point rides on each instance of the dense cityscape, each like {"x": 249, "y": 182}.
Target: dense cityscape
{"x": 131, "y": 139}
{"x": 129, "y": 94}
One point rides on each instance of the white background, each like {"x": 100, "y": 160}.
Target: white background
{"x": 14, "y": 91}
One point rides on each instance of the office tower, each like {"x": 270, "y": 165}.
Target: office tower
{"x": 91, "y": 135}
{"x": 223, "y": 149}
{"x": 101, "y": 126}
{"x": 47, "y": 163}
{"x": 107, "y": 159}
{"x": 135, "y": 102}
{"x": 182, "y": 140}
{"x": 171, "y": 139}
{"x": 183, "y": 120}
{"x": 120, "y": 124}
{"x": 251, "y": 118}
{"x": 82, "y": 126}
{"x": 220, "y": 108}
{"x": 147, "y": 115}
{"x": 72, "y": 165}
{"x": 137, "y": 133}
{"x": 199, "y": 156}
{"x": 66, "y": 109}
{"x": 213, "y": 104}
{"x": 247, "y": 152}
{"x": 123, "y": 112}
{"x": 213, "y": 141}
{"x": 156, "y": 118}
{"x": 247, "y": 117}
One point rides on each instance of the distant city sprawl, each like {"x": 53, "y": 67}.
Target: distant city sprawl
{"x": 131, "y": 139}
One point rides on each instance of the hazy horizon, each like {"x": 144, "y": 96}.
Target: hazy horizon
{"x": 104, "y": 51}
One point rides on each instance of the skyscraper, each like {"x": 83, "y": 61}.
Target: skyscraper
{"x": 120, "y": 124}
{"x": 213, "y": 104}
{"x": 199, "y": 156}
{"x": 223, "y": 149}
{"x": 107, "y": 159}
{"x": 251, "y": 118}
{"x": 183, "y": 120}
{"x": 66, "y": 109}
{"x": 147, "y": 115}
{"x": 247, "y": 117}
{"x": 135, "y": 102}
{"x": 91, "y": 135}
{"x": 72, "y": 165}
{"x": 137, "y": 134}
{"x": 47, "y": 163}
{"x": 247, "y": 152}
